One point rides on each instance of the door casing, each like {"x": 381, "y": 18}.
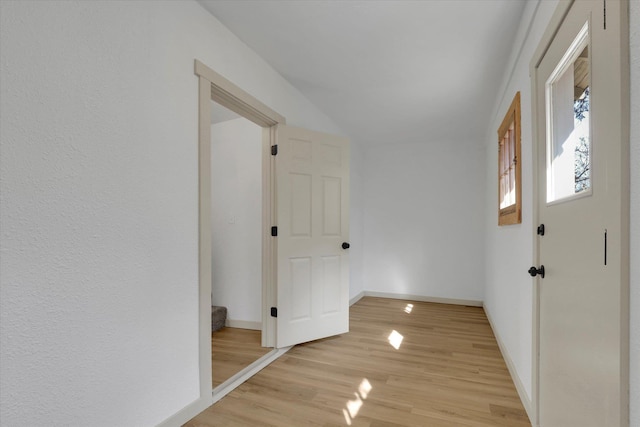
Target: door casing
{"x": 556, "y": 21}
{"x": 214, "y": 87}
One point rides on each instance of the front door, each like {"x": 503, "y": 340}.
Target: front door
{"x": 312, "y": 182}
{"x": 583, "y": 336}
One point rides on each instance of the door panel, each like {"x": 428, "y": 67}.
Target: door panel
{"x": 582, "y": 374}
{"x": 312, "y": 181}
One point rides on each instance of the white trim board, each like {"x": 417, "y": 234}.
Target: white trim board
{"x": 356, "y": 298}
{"x": 520, "y": 388}
{"x": 186, "y": 413}
{"x": 223, "y": 389}
{"x": 235, "y": 381}
{"x": 243, "y": 324}
{"x": 423, "y": 298}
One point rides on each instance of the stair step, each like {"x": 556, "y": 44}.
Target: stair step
{"x": 218, "y": 317}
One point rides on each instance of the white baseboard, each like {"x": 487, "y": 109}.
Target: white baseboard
{"x": 232, "y": 383}
{"x": 356, "y": 298}
{"x": 243, "y": 324}
{"x": 423, "y": 298}
{"x": 188, "y": 412}
{"x": 522, "y": 392}
{"x": 223, "y": 389}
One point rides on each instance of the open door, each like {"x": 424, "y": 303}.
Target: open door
{"x": 312, "y": 187}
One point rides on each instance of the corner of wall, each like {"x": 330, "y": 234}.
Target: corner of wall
{"x": 520, "y": 387}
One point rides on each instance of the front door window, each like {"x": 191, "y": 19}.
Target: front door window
{"x": 568, "y": 127}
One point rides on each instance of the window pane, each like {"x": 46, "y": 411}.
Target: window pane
{"x": 507, "y": 169}
{"x": 512, "y": 165}
{"x": 568, "y": 128}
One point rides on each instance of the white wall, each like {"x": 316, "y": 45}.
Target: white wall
{"x": 424, "y": 220}
{"x": 508, "y": 290}
{"x": 634, "y": 24}
{"x": 509, "y": 249}
{"x": 99, "y": 202}
{"x": 356, "y": 221}
{"x": 236, "y": 189}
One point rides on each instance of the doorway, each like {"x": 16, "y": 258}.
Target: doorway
{"x": 304, "y": 230}
{"x": 214, "y": 87}
{"x": 236, "y": 227}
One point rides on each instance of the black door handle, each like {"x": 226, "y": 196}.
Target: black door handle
{"x": 345, "y": 245}
{"x": 533, "y": 271}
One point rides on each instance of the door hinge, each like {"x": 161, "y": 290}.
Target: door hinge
{"x": 274, "y": 150}
{"x": 274, "y": 311}
{"x": 274, "y": 231}
{"x": 604, "y": 14}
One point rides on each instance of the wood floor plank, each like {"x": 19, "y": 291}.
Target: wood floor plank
{"x": 233, "y": 349}
{"x": 447, "y": 370}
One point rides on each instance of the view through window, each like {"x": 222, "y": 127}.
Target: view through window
{"x": 568, "y": 126}
{"x": 509, "y": 169}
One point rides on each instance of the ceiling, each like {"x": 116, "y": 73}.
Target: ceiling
{"x": 386, "y": 71}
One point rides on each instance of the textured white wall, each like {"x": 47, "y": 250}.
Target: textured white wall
{"x": 98, "y": 204}
{"x": 634, "y": 25}
{"x": 236, "y": 189}
{"x": 424, "y": 220}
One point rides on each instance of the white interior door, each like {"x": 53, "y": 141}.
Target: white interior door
{"x": 583, "y": 341}
{"x": 312, "y": 192}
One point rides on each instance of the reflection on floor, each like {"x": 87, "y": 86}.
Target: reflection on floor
{"x": 403, "y": 363}
{"x": 234, "y": 349}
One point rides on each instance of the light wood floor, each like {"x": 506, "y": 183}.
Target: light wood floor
{"x": 447, "y": 371}
{"x": 233, "y": 349}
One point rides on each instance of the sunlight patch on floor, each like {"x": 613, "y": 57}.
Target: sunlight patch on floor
{"x": 408, "y": 308}
{"x": 395, "y": 339}
{"x": 353, "y": 406}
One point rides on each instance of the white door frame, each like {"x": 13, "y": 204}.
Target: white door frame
{"x": 556, "y": 21}
{"x": 214, "y": 87}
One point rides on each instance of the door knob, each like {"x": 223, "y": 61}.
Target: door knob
{"x": 533, "y": 271}
{"x": 345, "y": 245}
